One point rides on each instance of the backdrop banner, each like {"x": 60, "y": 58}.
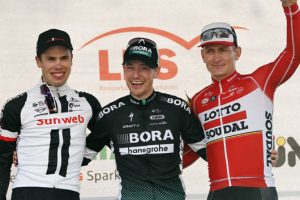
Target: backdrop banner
{"x": 100, "y": 30}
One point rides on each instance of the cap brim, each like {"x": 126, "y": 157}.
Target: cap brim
{"x": 217, "y": 42}
{"x": 148, "y": 61}
{"x": 52, "y": 44}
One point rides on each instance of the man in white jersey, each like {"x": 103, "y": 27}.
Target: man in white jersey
{"x": 47, "y": 127}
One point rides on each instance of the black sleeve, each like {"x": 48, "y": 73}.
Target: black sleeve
{"x": 192, "y": 130}
{"x": 95, "y": 141}
{"x": 193, "y": 133}
{"x": 10, "y": 124}
{"x": 202, "y": 153}
{"x": 96, "y": 107}
{"x": 4, "y": 181}
{"x": 85, "y": 161}
{"x": 99, "y": 137}
{"x": 92, "y": 125}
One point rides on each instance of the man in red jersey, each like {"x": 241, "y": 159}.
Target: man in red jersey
{"x": 236, "y": 111}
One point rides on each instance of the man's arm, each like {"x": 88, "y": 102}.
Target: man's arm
{"x": 7, "y": 145}
{"x": 96, "y": 140}
{"x": 92, "y": 125}
{"x": 96, "y": 107}
{"x": 193, "y": 136}
{"x": 275, "y": 73}
{"x": 10, "y": 125}
{"x": 5, "y": 165}
{"x": 286, "y": 3}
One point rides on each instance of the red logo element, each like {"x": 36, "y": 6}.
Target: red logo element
{"x": 169, "y": 69}
{"x": 65, "y": 120}
{"x": 186, "y": 44}
{"x": 225, "y": 120}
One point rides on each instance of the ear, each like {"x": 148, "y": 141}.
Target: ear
{"x": 71, "y": 59}
{"x": 38, "y": 61}
{"x": 157, "y": 71}
{"x": 202, "y": 55}
{"x": 237, "y": 53}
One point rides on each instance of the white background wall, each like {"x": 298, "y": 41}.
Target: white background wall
{"x": 22, "y": 21}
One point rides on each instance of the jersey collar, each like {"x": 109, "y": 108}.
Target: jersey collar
{"x": 143, "y": 102}
{"x": 228, "y": 79}
{"x": 58, "y": 91}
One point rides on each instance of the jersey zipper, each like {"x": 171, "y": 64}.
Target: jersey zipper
{"x": 145, "y": 121}
{"x": 223, "y": 135}
{"x": 58, "y": 166}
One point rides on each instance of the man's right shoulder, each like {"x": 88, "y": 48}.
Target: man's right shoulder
{"x": 16, "y": 101}
{"x": 202, "y": 91}
{"x": 113, "y": 107}
{"x": 10, "y": 112}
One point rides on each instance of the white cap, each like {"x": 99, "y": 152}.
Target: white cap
{"x": 231, "y": 41}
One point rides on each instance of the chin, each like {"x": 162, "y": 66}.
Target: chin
{"x": 136, "y": 94}
{"x": 58, "y": 84}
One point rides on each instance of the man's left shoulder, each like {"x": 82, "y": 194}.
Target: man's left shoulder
{"x": 84, "y": 94}
{"x": 174, "y": 101}
{"x": 91, "y": 99}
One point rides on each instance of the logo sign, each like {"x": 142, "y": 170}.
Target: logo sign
{"x": 285, "y": 156}
{"x": 169, "y": 68}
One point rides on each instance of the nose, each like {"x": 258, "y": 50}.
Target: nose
{"x": 216, "y": 57}
{"x": 58, "y": 64}
{"x": 136, "y": 72}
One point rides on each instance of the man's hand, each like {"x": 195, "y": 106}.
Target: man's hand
{"x": 287, "y": 3}
{"x": 15, "y": 158}
{"x": 274, "y": 157}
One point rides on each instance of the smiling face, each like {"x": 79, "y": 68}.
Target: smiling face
{"x": 56, "y": 64}
{"x": 220, "y": 59}
{"x": 139, "y": 78}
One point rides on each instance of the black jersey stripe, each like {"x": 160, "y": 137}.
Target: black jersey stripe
{"x": 65, "y": 152}
{"x": 66, "y": 134}
{"x": 64, "y": 104}
{"x": 54, "y": 142}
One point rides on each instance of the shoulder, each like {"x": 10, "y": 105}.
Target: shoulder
{"x": 86, "y": 95}
{"x": 16, "y": 102}
{"x": 199, "y": 93}
{"x": 202, "y": 93}
{"x": 165, "y": 97}
{"x": 174, "y": 101}
{"x": 114, "y": 106}
{"x": 11, "y": 112}
{"x": 92, "y": 100}
{"x": 201, "y": 96}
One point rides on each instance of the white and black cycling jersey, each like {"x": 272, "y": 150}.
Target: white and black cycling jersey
{"x": 146, "y": 137}
{"x": 50, "y": 146}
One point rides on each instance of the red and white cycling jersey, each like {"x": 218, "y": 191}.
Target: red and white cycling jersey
{"x": 236, "y": 115}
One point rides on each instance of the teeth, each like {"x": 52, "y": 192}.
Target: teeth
{"x": 136, "y": 82}
{"x": 58, "y": 74}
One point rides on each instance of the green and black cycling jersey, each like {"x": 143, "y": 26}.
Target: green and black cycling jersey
{"x": 147, "y": 137}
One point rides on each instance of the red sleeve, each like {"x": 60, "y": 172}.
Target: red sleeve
{"x": 271, "y": 75}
